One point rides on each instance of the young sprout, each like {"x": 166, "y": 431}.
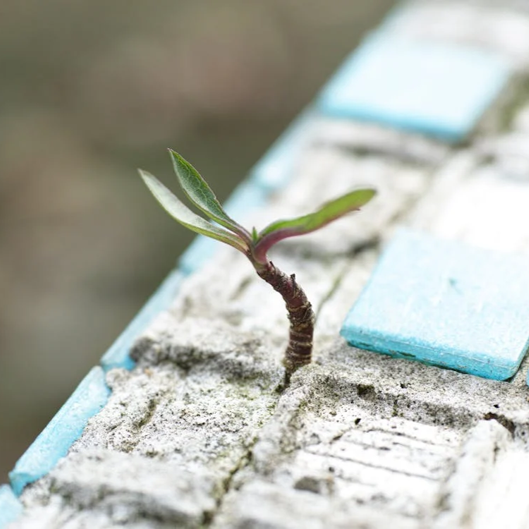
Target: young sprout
{"x": 255, "y": 245}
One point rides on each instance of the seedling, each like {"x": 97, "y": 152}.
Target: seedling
{"x": 255, "y": 245}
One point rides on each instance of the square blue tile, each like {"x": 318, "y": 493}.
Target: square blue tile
{"x": 447, "y": 304}
{"x": 62, "y": 431}
{"x": 429, "y": 87}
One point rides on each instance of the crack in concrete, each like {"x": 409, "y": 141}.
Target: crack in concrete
{"x": 244, "y": 462}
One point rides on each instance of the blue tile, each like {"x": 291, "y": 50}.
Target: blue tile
{"x": 428, "y": 87}
{"x": 246, "y": 198}
{"x": 276, "y": 168}
{"x": 118, "y": 353}
{"x": 62, "y": 431}
{"x": 447, "y": 304}
{"x": 197, "y": 254}
{"x": 10, "y": 506}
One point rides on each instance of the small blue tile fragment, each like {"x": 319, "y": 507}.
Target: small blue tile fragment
{"x": 447, "y": 304}
{"x": 246, "y": 198}
{"x": 434, "y": 88}
{"x": 276, "y": 168}
{"x": 197, "y": 254}
{"x": 10, "y": 506}
{"x": 62, "y": 431}
{"x": 118, "y": 353}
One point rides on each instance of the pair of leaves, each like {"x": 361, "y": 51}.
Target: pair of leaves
{"x": 256, "y": 245}
{"x": 200, "y": 194}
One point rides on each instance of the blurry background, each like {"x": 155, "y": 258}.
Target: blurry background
{"x": 88, "y": 92}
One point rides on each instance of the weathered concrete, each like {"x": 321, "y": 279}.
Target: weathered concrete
{"x": 373, "y": 435}
{"x": 203, "y": 432}
{"x": 208, "y": 376}
{"x": 199, "y": 432}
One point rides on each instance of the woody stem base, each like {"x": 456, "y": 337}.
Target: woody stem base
{"x": 299, "y": 350}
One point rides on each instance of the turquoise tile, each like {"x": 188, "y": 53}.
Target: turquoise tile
{"x": 246, "y": 198}
{"x": 197, "y": 254}
{"x": 429, "y": 87}
{"x": 62, "y": 431}
{"x": 118, "y": 353}
{"x": 276, "y": 168}
{"x": 447, "y": 304}
{"x": 10, "y": 506}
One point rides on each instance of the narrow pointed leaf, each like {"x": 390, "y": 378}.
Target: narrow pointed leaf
{"x": 201, "y": 195}
{"x": 329, "y": 212}
{"x": 186, "y": 217}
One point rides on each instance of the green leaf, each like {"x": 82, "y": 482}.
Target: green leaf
{"x": 186, "y": 217}
{"x": 329, "y": 212}
{"x": 201, "y": 195}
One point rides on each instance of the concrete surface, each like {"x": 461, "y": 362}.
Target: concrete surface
{"x": 204, "y": 433}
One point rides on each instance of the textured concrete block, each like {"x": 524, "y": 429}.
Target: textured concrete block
{"x": 261, "y": 505}
{"x": 510, "y": 152}
{"x": 118, "y": 354}
{"x": 10, "y": 506}
{"x": 476, "y": 472}
{"x": 446, "y": 304}
{"x": 479, "y": 206}
{"x": 137, "y": 487}
{"x": 418, "y": 85}
{"x": 378, "y": 441}
{"x": 363, "y": 137}
{"x": 68, "y": 424}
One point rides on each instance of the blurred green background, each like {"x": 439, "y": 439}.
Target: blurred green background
{"x": 88, "y": 92}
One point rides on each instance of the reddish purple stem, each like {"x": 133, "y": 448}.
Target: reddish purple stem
{"x": 300, "y": 314}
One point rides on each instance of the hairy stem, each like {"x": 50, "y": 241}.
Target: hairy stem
{"x": 300, "y": 314}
